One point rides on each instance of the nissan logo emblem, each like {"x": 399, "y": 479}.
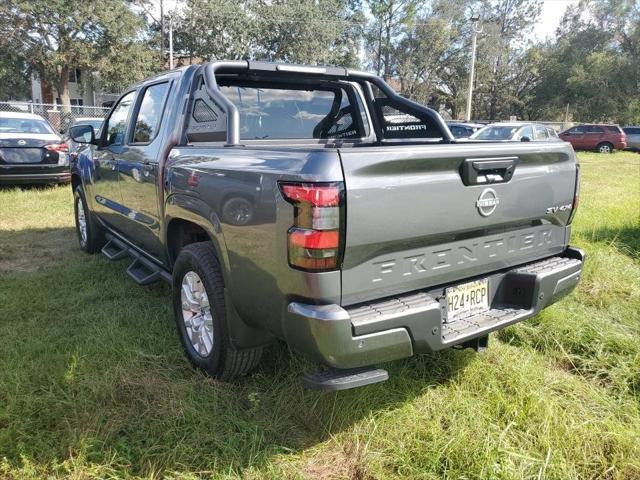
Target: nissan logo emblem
{"x": 487, "y": 202}
{"x": 22, "y": 142}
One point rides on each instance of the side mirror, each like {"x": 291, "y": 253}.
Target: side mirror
{"x": 83, "y": 134}
{"x": 525, "y": 139}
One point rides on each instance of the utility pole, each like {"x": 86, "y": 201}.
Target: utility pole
{"x": 162, "y": 32}
{"x": 475, "y": 18}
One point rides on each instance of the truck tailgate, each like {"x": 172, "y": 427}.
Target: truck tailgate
{"x": 420, "y": 216}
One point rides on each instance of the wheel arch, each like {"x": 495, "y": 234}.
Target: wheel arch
{"x": 188, "y": 214}
{"x": 189, "y": 220}
{"x": 75, "y": 180}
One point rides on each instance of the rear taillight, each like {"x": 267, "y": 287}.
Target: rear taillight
{"x": 61, "y": 149}
{"x": 576, "y": 196}
{"x": 315, "y": 239}
{"x": 57, "y": 147}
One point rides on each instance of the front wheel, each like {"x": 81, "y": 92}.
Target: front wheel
{"x": 89, "y": 233}
{"x": 200, "y": 313}
{"x": 605, "y": 148}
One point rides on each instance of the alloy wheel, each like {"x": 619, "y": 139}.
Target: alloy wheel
{"x": 196, "y": 314}
{"x": 82, "y": 221}
{"x": 604, "y": 149}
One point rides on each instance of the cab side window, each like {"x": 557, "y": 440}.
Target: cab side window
{"x": 540, "y": 133}
{"x": 149, "y": 114}
{"x": 116, "y": 125}
{"x": 526, "y": 132}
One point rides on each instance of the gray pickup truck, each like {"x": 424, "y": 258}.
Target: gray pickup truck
{"x": 317, "y": 206}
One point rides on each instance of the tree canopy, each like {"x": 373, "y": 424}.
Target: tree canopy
{"x": 53, "y": 37}
{"x": 590, "y": 70}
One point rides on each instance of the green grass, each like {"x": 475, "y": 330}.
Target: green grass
{"x": 93, "y": 382}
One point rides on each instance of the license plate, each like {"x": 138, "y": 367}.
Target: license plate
{"x": 466, "y": 300}
{"x": 21, "y": 155}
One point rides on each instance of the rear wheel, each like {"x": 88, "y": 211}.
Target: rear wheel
{"x": 90, "y": 235}
{"x": 605, "y": 147}
{"x": 200, "y": 313}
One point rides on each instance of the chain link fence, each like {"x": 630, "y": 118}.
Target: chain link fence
{"x": 54, "y": 113}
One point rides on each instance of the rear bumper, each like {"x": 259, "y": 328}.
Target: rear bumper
{"x": 399, "y": 327}
{"x": 61, "y": 176}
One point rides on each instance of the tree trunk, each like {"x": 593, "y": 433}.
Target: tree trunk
{"x": 63, "y": 89}
{"x": 387, "y": 52}
{"x": 379, "y": 53}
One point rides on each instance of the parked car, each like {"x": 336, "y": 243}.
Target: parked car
{"x": 602, "y": 138}
{"x": 95, "y": 122}
{"x": 463, "y": 129}
{"x": 515, "y": 132}
{"x": 633, "y": 137}
{"x": 30, "y": 151}
{"x": 372, "y": 234}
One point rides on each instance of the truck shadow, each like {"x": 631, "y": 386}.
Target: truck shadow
{"x": 91, "y": 368}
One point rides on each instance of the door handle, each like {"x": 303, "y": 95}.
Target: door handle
{"x": 477, "y": 171}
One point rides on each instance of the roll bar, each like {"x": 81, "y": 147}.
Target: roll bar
{"x": 233, "y": 117}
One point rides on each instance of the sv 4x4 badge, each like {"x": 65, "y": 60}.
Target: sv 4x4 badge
{"x": 559, "y": 208}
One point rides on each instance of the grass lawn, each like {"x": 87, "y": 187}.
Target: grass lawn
{"x": 93, "y": 382}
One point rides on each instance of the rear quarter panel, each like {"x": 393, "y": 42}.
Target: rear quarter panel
{"x": 257, "y": 274}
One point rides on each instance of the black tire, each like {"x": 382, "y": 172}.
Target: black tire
{"x": 94, "y": 239}
{"x": 605, "y": 147}
{"x": 224, "y": 361}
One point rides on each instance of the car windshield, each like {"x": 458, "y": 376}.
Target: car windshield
{"x": 24, "y": 125}
{"x": 494, "y": 133}
{"x": 96, "y": 124}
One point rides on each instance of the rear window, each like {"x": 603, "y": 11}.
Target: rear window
{"x": 495, "y": 133}
{"x": 459, "y": 131}
{"x": 24, "y": 125}
{"x": 288, "y": 113}
{"x": 613, "y": 128}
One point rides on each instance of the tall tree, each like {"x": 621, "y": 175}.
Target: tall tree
{"x": 220, "y": 30}
{"x": 501, "y": 48}
{"x": 593, "y": 69}
{"x": 391, "y": 19}
{"x": 433, "y": 56}
{"x": 323, "y": 31}
{"x": 299, "y": 31}
{"x": 56, "y": 36}
{"x": 14, "y": 77}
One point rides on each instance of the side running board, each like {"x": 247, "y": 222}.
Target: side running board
{"x": 115, "y": 250}
{"x": 142, "y": 270}
{"x": 335, "y": 379}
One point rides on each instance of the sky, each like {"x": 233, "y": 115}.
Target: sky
{"x": 552, "y": 11}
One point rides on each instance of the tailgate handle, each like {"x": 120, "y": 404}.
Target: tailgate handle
{"x": 477, "y": 171}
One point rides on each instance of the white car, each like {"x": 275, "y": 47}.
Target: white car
{"x": 31, "y": 151}
{"x": 515, "y": 132}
